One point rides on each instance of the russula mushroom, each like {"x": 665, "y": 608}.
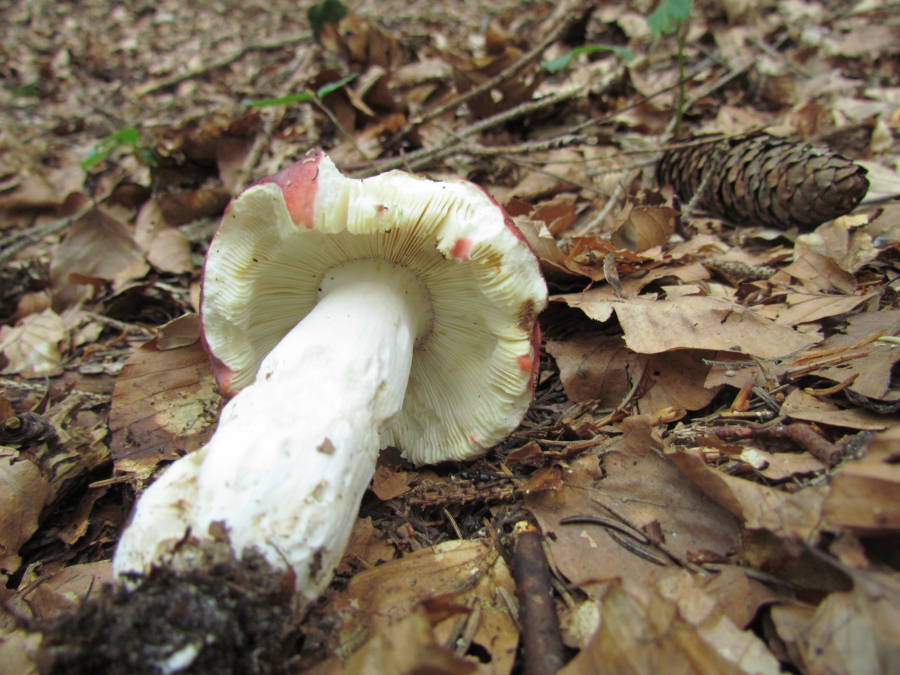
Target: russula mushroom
{"x": 344, "y": 316}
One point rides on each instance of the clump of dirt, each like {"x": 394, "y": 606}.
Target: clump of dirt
{"x": 230, "y": 616}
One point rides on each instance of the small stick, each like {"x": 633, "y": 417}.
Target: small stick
{"x": 541, "y": 638}
{"x": 801, "y": 434}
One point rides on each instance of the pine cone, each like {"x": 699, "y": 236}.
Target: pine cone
{"x": 761, "y": 179}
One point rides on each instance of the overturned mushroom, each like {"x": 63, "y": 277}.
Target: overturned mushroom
{"x": 344, "y": 316}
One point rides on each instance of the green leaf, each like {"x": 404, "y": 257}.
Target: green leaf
{"x": 30, "y": 90}
{"x": 128, "y": 137}
{"x": 325, "y": 12}
{"x": 326, "y": 89}
{"x": 669, "y": 15}
{"x": 302, "y": 97}
{"x": 562, "y": 62}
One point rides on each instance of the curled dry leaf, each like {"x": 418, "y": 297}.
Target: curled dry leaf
{"x": 645, "y": 227}
{"x": 98, "y": 247}
{"x": 23, "y": 495}
{"x": 855, "y": 632}
{"x": 690, "y": 322}
{"x": 166, "y": 247}
{"x": 802, "y": 406}
{"x": 460, "y": 576}
{"x": 182, "y": 331}
{"x": 163, "y": 405}
{"x": 872, "y": 372}
{"x": 672, "y": 627}
{"x": 406, "y": 646}
{"x": 32, "y": 347}
{"x": 790, "y": 515}
{"x": 863, "y": 493}
{"x": 639, "y": 511}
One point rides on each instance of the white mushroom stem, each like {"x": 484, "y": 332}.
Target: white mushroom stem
{"x": 294, "y": 452}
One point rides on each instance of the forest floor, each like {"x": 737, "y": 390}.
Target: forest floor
{"x": 713, "y": 454}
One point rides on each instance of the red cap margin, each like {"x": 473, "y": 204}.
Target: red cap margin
{"x": 299, "y": 183}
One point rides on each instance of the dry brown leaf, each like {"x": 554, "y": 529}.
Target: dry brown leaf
{"x": 816, "y": 272}
{"x": 670, "y": 628}
{"x": 97, "y": 246}
{"x": 164, "y": 405}
{"x": 872, "y": 372}
{"x": 596, "y": 367}
{"x": 464, "y": 574}
{"x": 806, "y": 307}
{"x": 645, "y": 227}
{"x": 31, "y": 348}
{"x": 648, "y": 492}
{"x": 389, "y": 483}
{"x": 792, "y": 515}
{"x": 737, "y": 594}
{"x": 802, "y": 406}
{"x": 600, "y": 367}
{"x": 406, "y": 647}
{"x": 53, "y": 595}
{"x": 781, "y": 466}
{"x": 166, "y": 247}
{"x": 697, "y": 322}
{"x": 182, "y": 331}
{"x": 856, "y": 633}
{"x": 368, "y": 546}
{"x": 23, "y": 494}
{"x": 863, "y": 492}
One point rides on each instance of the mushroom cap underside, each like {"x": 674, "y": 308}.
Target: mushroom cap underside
{"x": 472, "y": 373}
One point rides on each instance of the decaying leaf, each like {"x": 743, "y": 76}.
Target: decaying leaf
{"x": 32, "y": 347}
{"x": 629, "y": 518}
{"x": 164, "y": 405}
{"x": 96, "y": 247}
{"x": 670, "y": 628}
{"x": 790, "y": 515}
{"x": 23, "y": 495}
{"x": 696, "y": 322}
{"x": 406, "y": 646}
{"x": 863, "y": 492}
{"x": 469, "y": 578}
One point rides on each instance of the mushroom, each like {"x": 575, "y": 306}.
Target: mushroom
{"x": 344, "y": 316}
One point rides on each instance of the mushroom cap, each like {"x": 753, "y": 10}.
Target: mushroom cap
{"x": 473, "y": 369}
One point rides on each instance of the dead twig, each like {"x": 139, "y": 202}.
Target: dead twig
{"x": 801, "y": 434}
{"x": 541, "y": 637}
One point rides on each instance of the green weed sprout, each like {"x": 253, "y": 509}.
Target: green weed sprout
{"x": 130, "y": 137}
{"x": 673, "y": 16}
